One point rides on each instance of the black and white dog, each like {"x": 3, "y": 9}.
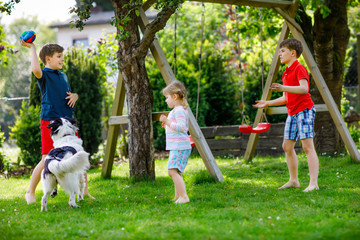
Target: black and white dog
{"x": 66, "y": 164}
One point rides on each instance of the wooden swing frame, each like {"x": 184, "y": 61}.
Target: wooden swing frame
{"x": 287, "y": 9}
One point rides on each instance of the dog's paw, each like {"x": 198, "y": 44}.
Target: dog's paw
{"x": 43, "y": 208}
{"x": 74, "y": 205}
{"x": 80, "y": 198}
{"x": 54, "y": 194}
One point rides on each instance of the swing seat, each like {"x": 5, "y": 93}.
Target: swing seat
{"x": 260, "y": 128}
{"x": 192, "y": 141}
{"x": 245, "y": 128}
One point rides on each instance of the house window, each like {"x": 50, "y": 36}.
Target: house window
{"x": 81, "y": 42}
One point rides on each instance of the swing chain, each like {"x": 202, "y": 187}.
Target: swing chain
{"x": 238, "y": 51}
{"x": 261, "y": 46}
{"x": 200, "y": 53}
{"x": 264, "y": 113}
{"x": 175, "y": 20}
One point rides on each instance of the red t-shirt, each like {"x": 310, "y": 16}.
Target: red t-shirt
{"x": 296, "y": 102}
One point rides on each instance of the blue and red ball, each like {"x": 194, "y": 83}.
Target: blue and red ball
{"x": 28, "y": 36}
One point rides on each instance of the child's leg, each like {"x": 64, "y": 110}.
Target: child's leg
{"x": 35, "y": 178}
{"x": 292, "y": 163}
{"x": 313, "y": 162}
{"x": 176, "y": 194}
{"x": 86, "y": 190}
{"x": 186, "y": 198}
{"x": 176, "y": 190}
{"x": 179, "y": 186}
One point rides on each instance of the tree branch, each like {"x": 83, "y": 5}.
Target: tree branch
{"x": 152, "y": 28}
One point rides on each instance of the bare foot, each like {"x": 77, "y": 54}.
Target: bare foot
{"x": 30, "y": 198}
{"x": 182, "y": 200}
{"x": 311, "y": 188}
{"x": 174, "y": 199}
{"x": 88, "y": 194}
{"x": 290, "y": 184}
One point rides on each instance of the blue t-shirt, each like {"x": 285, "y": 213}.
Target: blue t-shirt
{"x": 53, "y": 86}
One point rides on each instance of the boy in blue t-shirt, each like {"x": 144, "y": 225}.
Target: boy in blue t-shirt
{"x": 57, "y": 101}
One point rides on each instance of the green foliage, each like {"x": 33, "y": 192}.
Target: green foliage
{"x": 83, "y": 11}
{"x": 159, "y": 4}
{"x": 312, "y": 5}
{"x": 105, "y": 54}
{"x": 2, "y": 156}
{"x": 86, "y": 79}
{"x": 27, "y": 133}
{"x": 345, "y": 103}
{"x": 122, "y": 148}
{"x": 354, "y": 24}
{"x": 5, "y": 48}
{"x": 246, "y": 205}
{"x": 35, "y": 94}
{"x": 355, "y": 133}
{"x": 8, "y": 6}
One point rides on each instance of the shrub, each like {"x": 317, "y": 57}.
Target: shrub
{"x": 355, "y": 133}
{"x": 123, "y": 145}
{"x": 27, "y": 133}
{"x": 2, "y": 156}
{"x": 34, "y": 93}
{"x": 86, "y": 79}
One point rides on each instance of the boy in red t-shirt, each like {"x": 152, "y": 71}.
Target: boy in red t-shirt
{"x": 301, "y": 113}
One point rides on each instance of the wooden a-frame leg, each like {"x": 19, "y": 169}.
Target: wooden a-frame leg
{"x": 113, "y": 130}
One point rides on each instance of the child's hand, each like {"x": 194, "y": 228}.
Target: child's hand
{"x": 260, "y": 104}
{"x": 73, "y": 97}
{"x": 163, "y": 120}
{"x": 277, "y": 87}
{"x": 25, "y": 44}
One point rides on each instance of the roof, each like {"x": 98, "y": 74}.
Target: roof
{"x": 97, "y": 18}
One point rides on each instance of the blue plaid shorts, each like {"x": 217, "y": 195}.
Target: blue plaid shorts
{"x": 179, "y": 159}
{"x": 300, "y": 124}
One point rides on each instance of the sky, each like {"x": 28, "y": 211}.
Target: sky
{"x": 46, "y": 10}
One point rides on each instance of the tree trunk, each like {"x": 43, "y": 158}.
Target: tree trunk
{"x": 139, "y": 97}
{"x": 131, "y": 61}
{"x": 329, "y": 40}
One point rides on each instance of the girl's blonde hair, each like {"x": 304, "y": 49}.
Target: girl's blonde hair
{"x": 176, "y": 87}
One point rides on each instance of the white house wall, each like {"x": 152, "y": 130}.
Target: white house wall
{"x": 66, "y": 36}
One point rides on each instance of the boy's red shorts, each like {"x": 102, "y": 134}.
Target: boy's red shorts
{"x": 46, "y": 140}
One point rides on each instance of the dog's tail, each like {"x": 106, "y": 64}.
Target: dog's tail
{"x": 78, "y": 162}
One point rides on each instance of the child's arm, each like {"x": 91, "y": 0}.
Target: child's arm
{"x": 302, "y": 89}
{"x": 73, "y": 97}
{"x": 276, "y": 102}
{"x": 178, "y": 125}
{"x": 35, "y": 65}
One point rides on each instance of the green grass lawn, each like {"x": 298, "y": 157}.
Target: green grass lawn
{"x": 246, "y": 205}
